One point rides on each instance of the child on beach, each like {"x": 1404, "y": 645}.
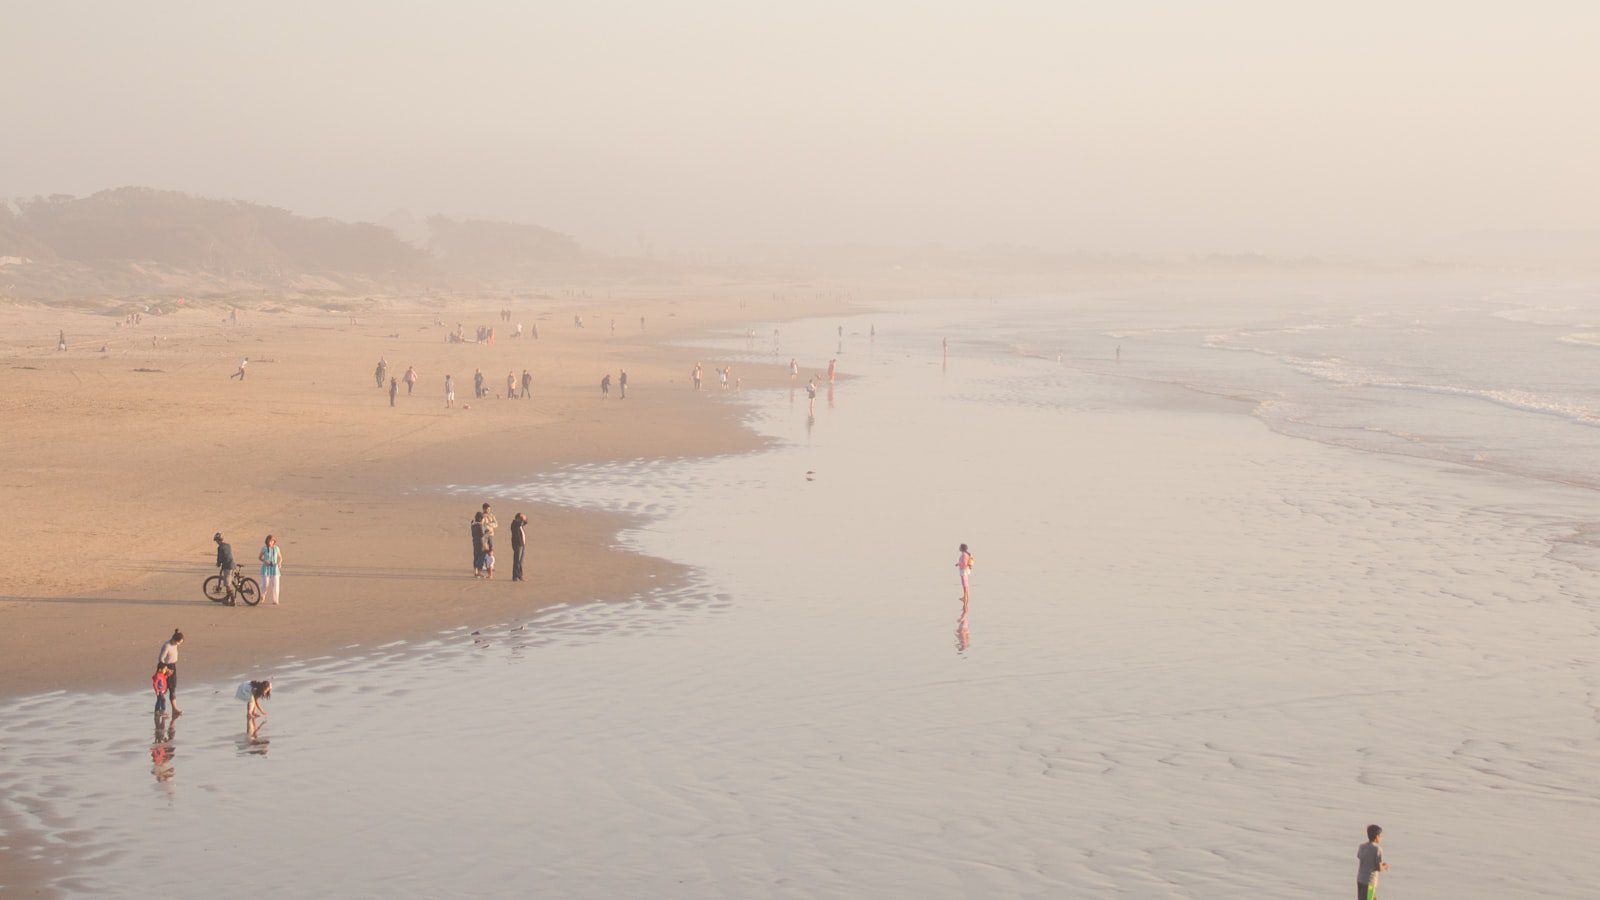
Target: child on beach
{"x": 1369, "y": 859}
{"x": 488, "y": 558}
{"x": 964, "y": 566}
{"x": 252, "y": 693}
{"x": 159, "y": 682}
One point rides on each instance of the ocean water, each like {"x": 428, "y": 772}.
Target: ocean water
{"x": 1201, "y": 656}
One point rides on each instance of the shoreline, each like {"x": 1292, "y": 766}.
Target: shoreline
{"x": 375, "y": 542}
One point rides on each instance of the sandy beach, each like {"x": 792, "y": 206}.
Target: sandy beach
{"x": 1201, "y": 654}
{"x": 121, "y": 464}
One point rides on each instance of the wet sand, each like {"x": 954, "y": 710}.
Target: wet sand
{"x": 120, "y": 465}
{"x": 1201, "y": 657}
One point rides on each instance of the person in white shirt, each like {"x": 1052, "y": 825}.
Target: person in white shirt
{"x": 168, "y": 656}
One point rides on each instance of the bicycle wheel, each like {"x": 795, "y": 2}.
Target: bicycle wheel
{"x": 215, "y": 588}
{"x": 249, "y": 591}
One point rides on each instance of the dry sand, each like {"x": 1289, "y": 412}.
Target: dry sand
{"x": 119, "y": 466}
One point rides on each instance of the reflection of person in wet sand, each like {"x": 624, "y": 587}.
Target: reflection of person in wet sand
{"x": 251, "y": 693}
{"x": 964, "y": 566}
{"x": 161, "y": 749}
{"x": 963, "y": 634}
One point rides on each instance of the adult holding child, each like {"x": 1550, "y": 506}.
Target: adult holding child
{"x": 271, "y": 557}
{"x": 167, "y": 658}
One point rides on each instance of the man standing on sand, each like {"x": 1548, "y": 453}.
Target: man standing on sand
{"x": 519, "y": 544}
{"x": 225, "y": 564}
{"x": 622, "y": 383}
{"x": 527, "y": 384}
{"x": 477, "y": 545}
{"x": 490, "y": 523}
{"x": 1369, "y": 859}
{"x": 477, "y": 384}
{"x": 394, "y": 390}
{"x": 410, "y": 379}
{"x": 605, "y": 385}
{"x": 449, "y": 392}
{"x": 240, "y": 374}
{"x": 511, "y": 385}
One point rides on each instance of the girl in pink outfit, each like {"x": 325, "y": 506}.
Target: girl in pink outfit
{"x": 964, "y": 566}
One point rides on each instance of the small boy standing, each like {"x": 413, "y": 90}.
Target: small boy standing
{"x": 488, "y": 556}
{"x": 1369, "y": 857}
{"x": 159, "y": 682}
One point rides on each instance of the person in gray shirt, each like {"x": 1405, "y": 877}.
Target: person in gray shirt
{"x": 1369, "y": 859}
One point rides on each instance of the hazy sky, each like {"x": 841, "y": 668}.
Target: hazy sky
{"x": 1119, "y": 125}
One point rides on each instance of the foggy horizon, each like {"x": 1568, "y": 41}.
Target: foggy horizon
{"x": 1244, "y": 127}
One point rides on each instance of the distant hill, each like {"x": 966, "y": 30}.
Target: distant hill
{"x": 501, "y": 250}
{"x": 136, "y": 240}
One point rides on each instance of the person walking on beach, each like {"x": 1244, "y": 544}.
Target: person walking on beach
{"x": 964, "y": 566}
{"x": 239, "y": 373}
{"x": 1369, "y": 862}
{"x": 519, "y": 544}
{"x": 410, "y": 378}
{"x": 477, "y": 384}
{"x": 381, "y": 372}
{"x": 511, "y": 385}
{"x": 696, "y": 376}
{"x": 158, "y": 681}
{"x": 449, "y": 392}
{"x": 394, "y": 390}
{"x": 622, "y": 384}
{"x": 271, "y": 569}
{"x": 477, "y": 545}
{"x": 225, "y": 565}
{"x": 794, "y": 368}
{"x": 527, "y": 384}
{"x": 811, "y": 395}
{"x": 723, "y": 374}
{"x": 168, "y": 657}
{"x": 605, "y": 385}
{"x": 251, "y": 693}
{"x": 61, "y": 342}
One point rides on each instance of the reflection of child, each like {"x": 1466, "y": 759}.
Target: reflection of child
{"x": 159, "y": 682}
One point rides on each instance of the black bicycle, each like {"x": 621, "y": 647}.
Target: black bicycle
{"x": 244, "y": 588}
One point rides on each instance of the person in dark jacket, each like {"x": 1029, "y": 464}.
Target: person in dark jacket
{"x": 519, "y": 544}
{"x": 477, "y": 545}
{"x": 225, "y": 564}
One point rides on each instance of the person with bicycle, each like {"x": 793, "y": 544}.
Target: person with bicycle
{"x": 225, "y": 565}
